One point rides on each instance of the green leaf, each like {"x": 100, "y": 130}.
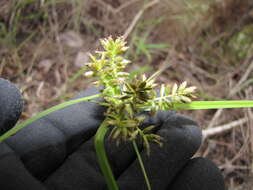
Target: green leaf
{"x": 116, "y": 133}
{"x": 147, "y": 129}
{"x": 142, "y": 84}
{"x": 102, "y": 158}
{"x": 124, "y": 134}
{"x": 134, "y": 135}
{"x": 146, "y": 144}
{"x": 162, "y": 90}
{"x": 139, "y": 71}
{"x": 174, "y": 89}
{"x": 20, "y": 126}
{"x": 198, "y": 105}
{"x": 157, "y": 46}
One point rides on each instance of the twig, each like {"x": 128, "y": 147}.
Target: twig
{"x": 2, "y": 64}
{"x": 55, "y": 22}
{"x": 250, "y": 123}
{"x": 244, "y": 77}
{"x": 39, "y": 89}
{"x": 116, "y": 10}
{"x": 126, "y": 4}
{"x": 234, "y": 90}
{"x": 223, "y": 128}
{"x": 237, "y": 27}
{"x": 137, "y": 17}
{"x": 108, "y": 6}
{"x": 215, "y": 118}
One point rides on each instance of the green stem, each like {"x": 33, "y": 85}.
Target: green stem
{"x": 195, "y": 105}
{"x": 198, "y": 105}
{"x": 42, "y": 114}
{"x": 142, "y": 165}
{"x": 102, "y": 158}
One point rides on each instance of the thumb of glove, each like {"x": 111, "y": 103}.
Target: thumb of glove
{"x": 11, "y": 105}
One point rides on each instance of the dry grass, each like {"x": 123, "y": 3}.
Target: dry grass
{"x": 44, "y": 43}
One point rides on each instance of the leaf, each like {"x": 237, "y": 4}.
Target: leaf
{"x": 162, "y": 90}
{"x": 158, "y": 142}
{"x": 157, "y": 137}
{"x": 129, "y": 110}
{"x": 167, "y": 91}
{"x": 141, "y": 118}
{"x": 185, "y": 99}
{"x": 152, "y": 78}
{"x": 143, "y": 84}
{"x": 116, "y": 133}
{"x": 157, "y": 46}
{"x": 129, "y": 87}
{"x": 147, "y": 88}
{"x": 147, "y": 129}
{"x": 112, "y": 132}
{"x": 174, "y": 89}
{"x": 198, "y": 105}
{"x": 104, "y": 104}
{"x": 112, "y": 122}
{"x": 190, "y": 89}
{"x": 183, "y": 85}
{"x": 130, "y": 123}
{"x": 124, "y": 134}
{"x": 146, "y": 144}
{"x": 124, "y": 97}
{"x": 134, "y": 135}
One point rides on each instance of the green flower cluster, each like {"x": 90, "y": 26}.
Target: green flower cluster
{"x": 127, "y": 98}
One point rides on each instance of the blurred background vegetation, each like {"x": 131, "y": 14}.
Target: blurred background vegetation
{"x": 44, "y": 45}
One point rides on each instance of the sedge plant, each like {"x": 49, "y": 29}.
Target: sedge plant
{"x": 126, "y": 99}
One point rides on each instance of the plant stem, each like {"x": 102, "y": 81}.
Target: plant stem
{"x": 177, "y": 106}
{"x": 42, "y": 114}
{"x": 141, "y": 165}
{"x": 196, "y": 105}
{"x": 102, "y": 158}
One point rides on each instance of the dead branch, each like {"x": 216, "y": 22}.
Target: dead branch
{"x": 222, "y": 128}
{"x": 234, "y": 90}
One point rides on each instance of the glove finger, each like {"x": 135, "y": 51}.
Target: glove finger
{"x": 81, "y": 169}
{"x": 181, "y": 139}
{"x": 199, "y": 174}
{"x": 44, "y": 144}
{"x": 78, "y": 122}
{"x": 13, "y": 174}
{"x": 11, "y": 105}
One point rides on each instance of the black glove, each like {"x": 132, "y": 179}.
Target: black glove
{"x": 57, "y": 151}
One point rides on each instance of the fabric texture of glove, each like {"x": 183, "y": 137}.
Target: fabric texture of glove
{"x": 57, "y": 152}
{"x": 11, "y": 105}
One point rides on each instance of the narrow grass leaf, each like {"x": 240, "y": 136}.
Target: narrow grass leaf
{"x": 198, "y": 105}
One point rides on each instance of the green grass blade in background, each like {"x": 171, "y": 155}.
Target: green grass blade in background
{"x": 139, "y": 71}
{"x": 102, "y": 158}
{"x": 42, "y": 114}
{"x": 77, "y": 74}
{"x": 198, "y": 105}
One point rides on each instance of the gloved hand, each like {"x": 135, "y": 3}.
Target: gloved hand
{"x": 57, "y": 151}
